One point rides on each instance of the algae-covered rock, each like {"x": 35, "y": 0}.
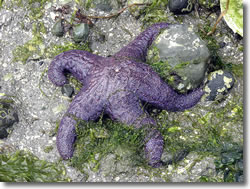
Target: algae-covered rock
{"x": 180, "y": 57}
{"x": 219, "y": 84}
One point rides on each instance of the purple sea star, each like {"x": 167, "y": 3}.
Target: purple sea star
{"x": 116, "y": 85}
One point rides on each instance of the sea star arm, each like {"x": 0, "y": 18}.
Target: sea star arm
{"x": 76, "y": 62}
{"x": 152, "y": 89}
{"x": 83, "y": 108}
{"x": 125, "y": 107}
{"x": 137, "y": 49}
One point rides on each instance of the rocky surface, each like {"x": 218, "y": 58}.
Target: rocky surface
{"x": 184, "y": 56}
{"x": 208, "y": 131}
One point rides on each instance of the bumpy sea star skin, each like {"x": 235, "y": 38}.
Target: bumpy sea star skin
{"x": 116, "y": 85}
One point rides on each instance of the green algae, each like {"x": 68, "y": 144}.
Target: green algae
{"x": 1, "y": 3}
{"x": 55, "y": 49}
{"x": 34, "y": 47}
{"x": 154, "y": 13}
{"x": 23, "y": 166}
{"x": 48, "y": 149}
{"x": 104, "y": 137}
{"x": 207, "y": 133}
{"x": 209, "y": 4}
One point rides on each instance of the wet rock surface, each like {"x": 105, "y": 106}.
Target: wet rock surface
{"x": 42, "y": 105}
{"x": 182, "y": 54}
{"x": 219, "y": 84}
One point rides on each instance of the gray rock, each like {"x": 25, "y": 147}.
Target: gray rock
{"x": 3, "y": 133}
{"x": 180, "y": 56}
{"x": 58, "y": 29}
{"x": 80, "y": 32}
{"x": 107, "y": 164}
{"x": 219, "y": 84}
{"x": 8, "y": 116}
{"x": 6, "y": 17}
{"x": 68, "y": 90}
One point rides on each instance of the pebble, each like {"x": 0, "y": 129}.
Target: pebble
{"x": 8, "y": 116}
{"x": 180, "y": 6}
{"x": 219, "y": 84}
{"x": 58, "y": 29}
{"x": 67, "y": 90}
{"x": 80, "y": 32}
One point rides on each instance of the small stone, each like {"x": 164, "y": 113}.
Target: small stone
{"x": 180, "y": 6}
{"x": 58, "y": 28}
{"x": 8, "y": 117}
{"x": 80, "y": 32}
{"x": 222, "y": 44}
{"x": 219, "y": 84}
{"x": 3, "y": 133}
{"x": 41, "y": 63}
{"x": 68, "y": 90}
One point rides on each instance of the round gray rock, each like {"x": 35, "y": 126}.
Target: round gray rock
{"x": 180, "y": 57}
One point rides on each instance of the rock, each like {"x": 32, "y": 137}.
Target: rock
{"x": 192, "y": 168}
{"x": 180, "y": 57}
{"x": 80, "y": 32}
{"x": 8, "y": 117}
{"x": 58, "y": 28}
{"x": 67, "y": 90}
{"x": 6, "y": 17}
{"x": 180, "y": 6}
{"x": 219, "y": 84}
{"x": 3, "y": 133}
{"x": 107, "y": 164}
